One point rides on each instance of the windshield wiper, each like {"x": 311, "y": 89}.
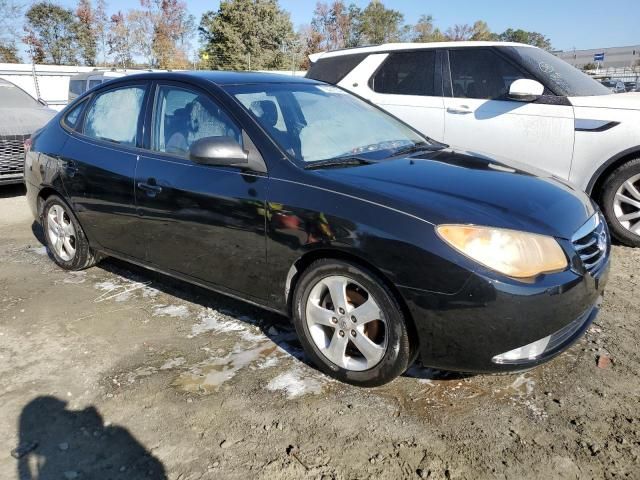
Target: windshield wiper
{"x": 419, "y": 147}
{"x": 338, "y": 162}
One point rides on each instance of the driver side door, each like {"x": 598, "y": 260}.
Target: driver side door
{"x": 201, "y": 221}
{"x": 480, "y": 118}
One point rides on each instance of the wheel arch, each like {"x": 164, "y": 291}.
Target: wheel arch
{"x": 303, "y": 262}
{"x": 594, "y": 187}
{"x": 43, "y": 194}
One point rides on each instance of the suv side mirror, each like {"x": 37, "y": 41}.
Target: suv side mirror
{"x": 220, "y": 151}
{"x": 525, "y": 90}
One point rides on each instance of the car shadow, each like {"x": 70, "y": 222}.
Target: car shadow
{"x": 13, "y": 190}
{"x": 57, "y": 442}
{"x": 276, "y": 327}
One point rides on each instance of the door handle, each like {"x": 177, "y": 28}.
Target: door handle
{"x": 150, "y": 190}
{"x": 460, "y": 110}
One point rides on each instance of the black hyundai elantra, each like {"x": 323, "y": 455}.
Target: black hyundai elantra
{"x": 293, "y": 195}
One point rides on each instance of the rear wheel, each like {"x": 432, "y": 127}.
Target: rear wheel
{"x": 350, "y": 324}
{"x": 64, "y": 236}
{"x": 621, "y": 203}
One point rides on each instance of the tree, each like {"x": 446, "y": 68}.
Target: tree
{"x": 246, "y": 34}
{"x": 172, "y": 26}
{"x": 480, "y": 31}
{"x": 459, "y": 32}
{"x": 86, "y": 33}
{"x": 589, "y": 66}
{"x": 379, "y": 24}
{"x": 9, "y": 54}
{"x": 335, "y": 25}
{"x": 9, "y": 31}
{"x": 424, "y": 31}
{"x": 119, "y": 40}
{"x": 51, "y": 32}
{"x": 522, "y": 36}
{"x": 101, "y": 23}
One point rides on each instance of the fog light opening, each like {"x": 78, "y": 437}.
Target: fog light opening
{"x": 526, "y": 352}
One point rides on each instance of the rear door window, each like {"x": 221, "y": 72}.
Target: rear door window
{"x": 114, "y": 115}
{"x": 407, "y": 73}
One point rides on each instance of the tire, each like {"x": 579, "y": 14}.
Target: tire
{"x": 74, "y": 252}
{"x": 614, "y": 210}
{"x": 381, "y": 329}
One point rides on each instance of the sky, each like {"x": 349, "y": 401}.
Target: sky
{"x": 568, "y": 23}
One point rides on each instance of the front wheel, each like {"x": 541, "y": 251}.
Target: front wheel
{"x": 350, "y": 324}
{"x": 621, "y": 203}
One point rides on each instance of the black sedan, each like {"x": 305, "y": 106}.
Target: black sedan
{"x": 296, "y": 196}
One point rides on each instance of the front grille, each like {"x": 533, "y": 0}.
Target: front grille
{"x": 12, "y": 154}
{"x": 591, "y": 242}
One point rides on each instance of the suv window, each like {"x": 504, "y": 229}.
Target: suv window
{"x": 481, "y": 73}
{"x": 182, "y": 116}
{"x": 77, "y": 87}
{"x": 94, "y": 83}
{"x": 407, "y": 73}
{"x": 114, "y": 115}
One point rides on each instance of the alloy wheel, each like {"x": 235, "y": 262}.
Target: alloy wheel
{"x": 62, "y": 234}
{"x": 626, "y": 204}
{"x": 346, "y": 323}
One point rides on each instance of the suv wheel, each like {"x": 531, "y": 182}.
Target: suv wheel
{"x": 350, "y": 324}
{"x": 64, "y": 236}
{"x": 621, "y": 203}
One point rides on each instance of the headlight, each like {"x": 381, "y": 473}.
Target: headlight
{"x": 513, "y": 253}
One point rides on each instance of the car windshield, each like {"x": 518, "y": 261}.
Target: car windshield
{"x": 321, "y": 122}
{"x": 14, "y": 97}
{"x": 559, "y": 75}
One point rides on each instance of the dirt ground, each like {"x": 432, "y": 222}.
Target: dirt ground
{"x": 115, "y": 372}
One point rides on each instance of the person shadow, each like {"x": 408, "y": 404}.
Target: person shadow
{"x": 58, "y": 443}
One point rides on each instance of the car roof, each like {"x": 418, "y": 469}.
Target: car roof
{"x": 219, "y": 77}
{"x": 389, "y": 47}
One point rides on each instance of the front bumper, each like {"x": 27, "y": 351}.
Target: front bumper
{"x": 487, "y": 318}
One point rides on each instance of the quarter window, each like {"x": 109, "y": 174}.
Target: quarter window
{"x": 407, "y": 73}
{"x": 71, "y": 118}
{"x": 481, "y": 73}
{"x": 183, "y": 116}
{"x": 114, "y": 115}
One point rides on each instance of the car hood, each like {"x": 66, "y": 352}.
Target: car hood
{"x": 449, "y": 187}
{"x": 23, "y": 121}
{"x": 624, "y": 101}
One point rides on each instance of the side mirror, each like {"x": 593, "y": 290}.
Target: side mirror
{"x": 221, "y": 151}
{"x": 525, "y": 90}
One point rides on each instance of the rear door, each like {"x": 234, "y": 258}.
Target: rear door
{"x": 202, "y": 221}
{"x": 407, "y": 84}
{"x": 480, "y": 117}
{"x": 99, "y": 163}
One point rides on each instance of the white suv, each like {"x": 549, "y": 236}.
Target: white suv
{"x": 507, "y": 101}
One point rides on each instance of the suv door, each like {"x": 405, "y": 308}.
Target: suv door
{"x": 481, "y": 118}
{"x": 98, "y": 166}
{"x": 203, "y": 221}
{"x": 406, "y": 84}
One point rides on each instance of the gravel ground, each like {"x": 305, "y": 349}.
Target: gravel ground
{"x": 114, "y": 372}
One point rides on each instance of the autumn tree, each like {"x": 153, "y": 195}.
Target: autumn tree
{"x": 51, "y": 32}
{"x": 86, "y": 32}
{"x": 101, "y": 25}
{"x": 119, "y": 40}
{"x": 172, "y": 26}
{"x": 425, "y": 31}
{"x": 11, "y": 14}
{"x": 336, "y": 25}
{"x": 523, "y": 36}
{"x": 247, "y": 34}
